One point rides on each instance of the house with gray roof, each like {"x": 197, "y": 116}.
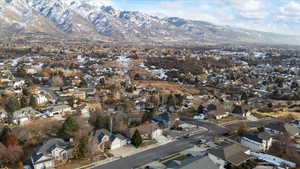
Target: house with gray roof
{"x": 257, "y": 142}
{"x": 24, "y": 115}
{"x": 106, "y": 139}
{"x": 194, "y": 163}
{"x": 57, "y": 110}
{"x": 52, "y": 153}
{"x": 282, "y": 128}
{"x": 229, "y": 153}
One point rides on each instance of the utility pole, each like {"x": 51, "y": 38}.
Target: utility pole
{"x": 111, "y": 123}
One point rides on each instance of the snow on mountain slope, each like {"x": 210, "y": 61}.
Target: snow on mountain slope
{"x": 99, "y": 20}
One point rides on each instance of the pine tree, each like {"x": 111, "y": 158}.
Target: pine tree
{"x": 70, "y": 126}
{"x": 24, "y": 102}
{"x": 33, "y": 102}
{"x": 82, "y": 148}
{"x": 200, "y": 109}
{"x": 12, "y": 104}
{"x": 136, "y": 139}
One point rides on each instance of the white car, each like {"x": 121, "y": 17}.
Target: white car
{"x": 199, "y": 117}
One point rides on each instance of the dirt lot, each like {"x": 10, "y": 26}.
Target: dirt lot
{"x": 173, "y": 87}
{"x": 280, "y": 114}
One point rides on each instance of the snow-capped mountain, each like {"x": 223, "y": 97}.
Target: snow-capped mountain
{"x": 96, "y": 19}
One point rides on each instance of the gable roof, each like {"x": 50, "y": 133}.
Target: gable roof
{"x": 44, "y": 151}
{"x": 233, "y": 153}
{"x": 258, "y": 137}
{"x": 284, "y": 128}
{"x": 99, "y": 134}
{"x": 292, "y": 130}
{"x": 146, "y": 128}
{"x": 199, "y": 163}
{"x": 119, "y": 136}
{"x": 277, "y": 126}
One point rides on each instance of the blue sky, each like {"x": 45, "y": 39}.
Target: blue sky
{"x": 281, "y": 16}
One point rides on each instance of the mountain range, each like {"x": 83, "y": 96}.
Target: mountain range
{"x": 93, "y": 20}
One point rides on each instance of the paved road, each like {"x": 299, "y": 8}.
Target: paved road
{"x": 155, "y": 154}
{"x": 212, "y": 128}
{"x": 151, "y": 155}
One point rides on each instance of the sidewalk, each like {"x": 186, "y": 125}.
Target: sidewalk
{"x": 120, "y": 153}
{"x": 98, "y": 163}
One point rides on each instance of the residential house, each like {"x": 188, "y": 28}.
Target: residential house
{"x": 166, "y": 120}
{"x": 218, "y": 113}
{"x": 282, "y": 128}
{"x": 51, "y": 154}
{"x": 229, "y": 153}
{"x": 296, "y": 123}
{"x": 24, "y": 115}
{"x": 205, "y": 163}
{"x": 142, "y": 106}
{"x": 38, "y": 77}
{"x": 191, "y": 162}
{"x": 105, "y": 139}
{"x": 18, "y": 83}
{"x": 79, "y": 94}
{"x": 41, "y": 99}
{"x": 240, "y": 111}
{"x": 147, "y": 131}
{"x": 57, "y": 110}
{"x": 117, "y": 141}
{"x": 74, "y": 92}
{"x": 3, "y": 114}
{"x": 257, "y": 142}
{"x": 90, "y": 92}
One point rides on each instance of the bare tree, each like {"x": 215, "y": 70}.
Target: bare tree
{"x": 57, "y": 81}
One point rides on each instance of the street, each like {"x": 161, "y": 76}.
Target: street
{"x": 148, "y": 156}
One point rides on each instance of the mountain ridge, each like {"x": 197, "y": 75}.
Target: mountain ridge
{"x": 93, "y": 19}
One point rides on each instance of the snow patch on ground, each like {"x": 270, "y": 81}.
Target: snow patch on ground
{"x": 123, "y": 61}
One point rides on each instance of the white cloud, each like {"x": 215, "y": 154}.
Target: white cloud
{"x": 252, "y": 9}
{"x": 259, "y": 15}
{"x": 292, "y": 9}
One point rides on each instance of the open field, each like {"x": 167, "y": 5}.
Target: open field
{"x": 173, "y": 87}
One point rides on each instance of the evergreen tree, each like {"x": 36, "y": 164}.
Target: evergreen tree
{"x": 136, "y": 139}
{"x": 200, "y": 109}
{"x": 83, "y": 83}
{"x": 33, "y": 102}
{"x": 24, "y": 101}
{"x": 83, "y": 147}
{"x": 70, "y": 126}
{"x": 102, "y": 122}
{"x": 12, "y": 104}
